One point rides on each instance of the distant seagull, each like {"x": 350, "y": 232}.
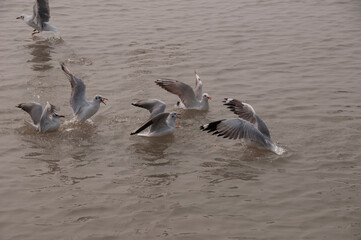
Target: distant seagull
{"x": 244, "y": 127}
{"x": 154, "y": 106}
{"x": 161, "y": 125}
{"x": 190, "y": 99}
{"x": 40, "y": 17}
{"x": 43, "y": 120}
{"x": 82, "y": 108}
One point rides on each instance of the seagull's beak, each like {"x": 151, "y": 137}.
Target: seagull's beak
{"x": 209, "y": 98}
{"x": 103, "y": 100}
{"x": 61, "y": 116}
{"x": 178, "y": 115}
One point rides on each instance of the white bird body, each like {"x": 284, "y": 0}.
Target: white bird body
{"x": 87, "y": 110}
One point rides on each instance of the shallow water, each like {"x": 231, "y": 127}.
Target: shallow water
{"x": 296, "y": 62}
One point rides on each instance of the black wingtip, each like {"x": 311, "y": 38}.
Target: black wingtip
{"x": 132, "y": 133}
{"x": 211, "y": 127}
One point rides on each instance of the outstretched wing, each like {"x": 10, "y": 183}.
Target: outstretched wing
{"x": 235, "y": 128}
{"x": 41, "y": 12}
{"x": 77, "y": 99}
{"x": 182, "y": 90}
{"x": 198, "y": 89}
{"x": 154, "y": 106}
{"x": 155, "y": 123}
{"x": 243, "y": 110}
{"x": 34, "y": 109}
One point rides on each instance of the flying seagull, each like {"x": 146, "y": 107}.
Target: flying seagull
{"x": 43, "y": 120}
{"x": 40, "y": 17}
{"x": 248, "y": 127}
{"x": 190, "y": 99}
{"x": 161, "y": 125}
{"x": 82, "y": 108}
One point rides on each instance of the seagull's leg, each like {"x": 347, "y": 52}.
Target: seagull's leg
{"x": 35, "y": 32}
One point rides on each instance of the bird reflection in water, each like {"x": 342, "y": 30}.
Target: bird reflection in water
{"x": 40, "y": 50}
{"x": 152, "y": 150}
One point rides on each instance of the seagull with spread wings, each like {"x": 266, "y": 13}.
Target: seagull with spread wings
{"x": 43, "y": 120}
{"x": 191, "y": 99}
{"x": 40, "y": 17}
{"x": 248, "y": 127}
{"x": 82, "y": 108}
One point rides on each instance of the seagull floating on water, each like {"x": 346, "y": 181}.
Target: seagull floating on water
{"x": 190, "y": 99}
{"x": 161, "y": 125}
{"x": 43, "y": 120}
{"x": 249, "y": 127}
{"x": 82, "y": 108}
{"x": 40, "y": 17}
{"x": 154, "y": 106}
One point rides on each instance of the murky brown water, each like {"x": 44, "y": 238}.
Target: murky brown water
{"x": 298, "y": 64}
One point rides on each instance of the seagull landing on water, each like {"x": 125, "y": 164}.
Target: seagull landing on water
{"x": 82, "y": 108}
{"x": 190, "y": 99}
{"x": 161, "y": 125}
{"x": 40, "y": 17}
{"x": 43, "y": 120}
{"x": 249, "y": 127}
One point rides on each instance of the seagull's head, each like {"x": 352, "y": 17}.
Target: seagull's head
{"x": 174, "y": 115}
{"x": 100, "y": 99}
{"x": 206, "y": 96}
{"x": 22, "y": 17}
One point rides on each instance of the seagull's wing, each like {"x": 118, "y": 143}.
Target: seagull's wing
{"x": 243, "y": 110}
{"x": 198, "y": 89}
{"x": 41, "y": 13}
{"x": 158, "y": 122}
{"x": 77, "y": 99}
{"x": 235, "y": 128}
{"x": 34, "y": 109}
{"x": 154, "y": 106}
{"x": 184, "y": 91}
{"x": 41, "y": 7}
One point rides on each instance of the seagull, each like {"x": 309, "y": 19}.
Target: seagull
{"x": 249, "y": 127}
{"x": 154, "y": 106}
{"x": 190, "y": 99}
{"x": 40, "y": 17}
{"x": 43, "y": 120}
{"x": 82, "y": 108}
{"x": 161, "y": 125}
